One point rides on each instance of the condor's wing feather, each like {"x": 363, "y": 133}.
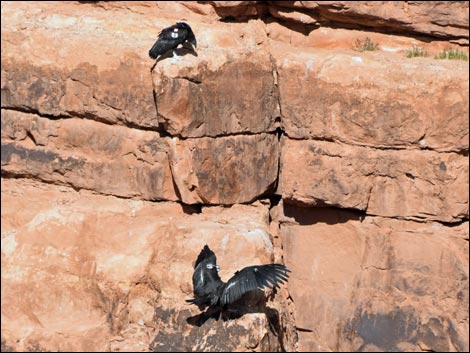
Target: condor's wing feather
{"x": 252, "y": 278}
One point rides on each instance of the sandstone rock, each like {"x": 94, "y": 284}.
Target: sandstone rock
{"x": 435, "y": 18}
{"x": 87, "y": 154}
{"x": 235, "y": 8}
{"x": 100, "y": 267}
{"x": 213, "y": 94}
{"x": 294, "y": 16}
{"x": 392, "y": 183}
{"x": 135, "y": 163}
{"x": 85, "y": 271}
{"x": 374, "y": 101}
{"x": 226, "y": 170}
{"x": 101, "y": 71}
{"x": 249, "y": 333}
{"x": 376, "y": 284}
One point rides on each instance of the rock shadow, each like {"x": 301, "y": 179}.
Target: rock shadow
{"x": 328, "y": 215}
{"x": 252, "y": 302}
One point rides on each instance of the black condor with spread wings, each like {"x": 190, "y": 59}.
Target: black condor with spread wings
{"x": 210, "y": 291}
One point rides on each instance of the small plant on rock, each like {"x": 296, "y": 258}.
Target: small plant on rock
{"x": 416, "y": 51}
{"x": 452, "y": 54}
{"x": 365, "y": 45}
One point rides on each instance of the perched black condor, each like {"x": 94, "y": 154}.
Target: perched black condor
{"x": 169, "y": 39}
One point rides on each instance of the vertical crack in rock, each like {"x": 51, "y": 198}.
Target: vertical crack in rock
{"x": 85, "y": 272}
{"x": 278, "y": 120}
{"x": 172, "y": 158}
{"x": 286, "y": 324}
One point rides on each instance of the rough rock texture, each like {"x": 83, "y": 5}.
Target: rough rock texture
{"x": 394, "y": 183}
{"x": 226, "y": 170}
{"x": 198, "y": 98}
{"x": 436, "y": 18}
{"x": 117, "y": 91}
{"x": 389, "y": 104}
{"x": 91, "y": 272}
{"x": 87, "y": 155}
{"x": 275, "y": 141}
{"x": 399, "y": 285}
{"x": 115, "y": 160}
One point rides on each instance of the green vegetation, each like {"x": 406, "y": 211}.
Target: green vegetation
{"x": 451, "y": 54}
{"x": 416, "y": 52}
{"x": 365, "y": 45}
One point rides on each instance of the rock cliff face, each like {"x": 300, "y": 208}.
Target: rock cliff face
{"x": 276, "y": 141}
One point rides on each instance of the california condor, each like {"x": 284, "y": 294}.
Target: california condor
{"x": 210, "y": 291}
{"x": 169, "y": 39}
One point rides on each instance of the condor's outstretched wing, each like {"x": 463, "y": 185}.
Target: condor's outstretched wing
{"x": 253, "y": 278}
{"x": 170, "y": 37}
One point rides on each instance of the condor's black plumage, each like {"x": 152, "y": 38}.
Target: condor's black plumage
{"x": 209, "y": 290}
{"x": 170, "y": 37}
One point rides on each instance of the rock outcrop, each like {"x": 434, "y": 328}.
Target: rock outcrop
{"x": 385, "y": 287}
{"x": 436, "y": 19}
{"x": 277, "y": 140}
{"x": 94, "y": 272}
{"x": 391, "y": 183}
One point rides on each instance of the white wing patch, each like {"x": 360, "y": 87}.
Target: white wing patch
{"x": 174, "y": 35}
{"x": 231, "y": 285}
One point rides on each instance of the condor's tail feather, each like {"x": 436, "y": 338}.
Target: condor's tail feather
{"x": 201, "y": 303}
{"x": 153, "y": 52}
{"x": 160, "y": 47}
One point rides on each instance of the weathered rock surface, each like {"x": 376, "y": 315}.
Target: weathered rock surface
{"x": 433, "y": 18}
{"x": 116, "y": 264}
{"x": 392, "y": 183}
{"x": 249, "y": 333}
{"x": 87, "y": 154}
{"x": 213, "y": 94}
{"x": 369, "y": 99}
{"x": 127, "y": 162}
{"x": 228, "y": 170}
{"x": 388, "y": 285}
{"x": 111, "y": 172}
{"x": 75, "y": 73}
